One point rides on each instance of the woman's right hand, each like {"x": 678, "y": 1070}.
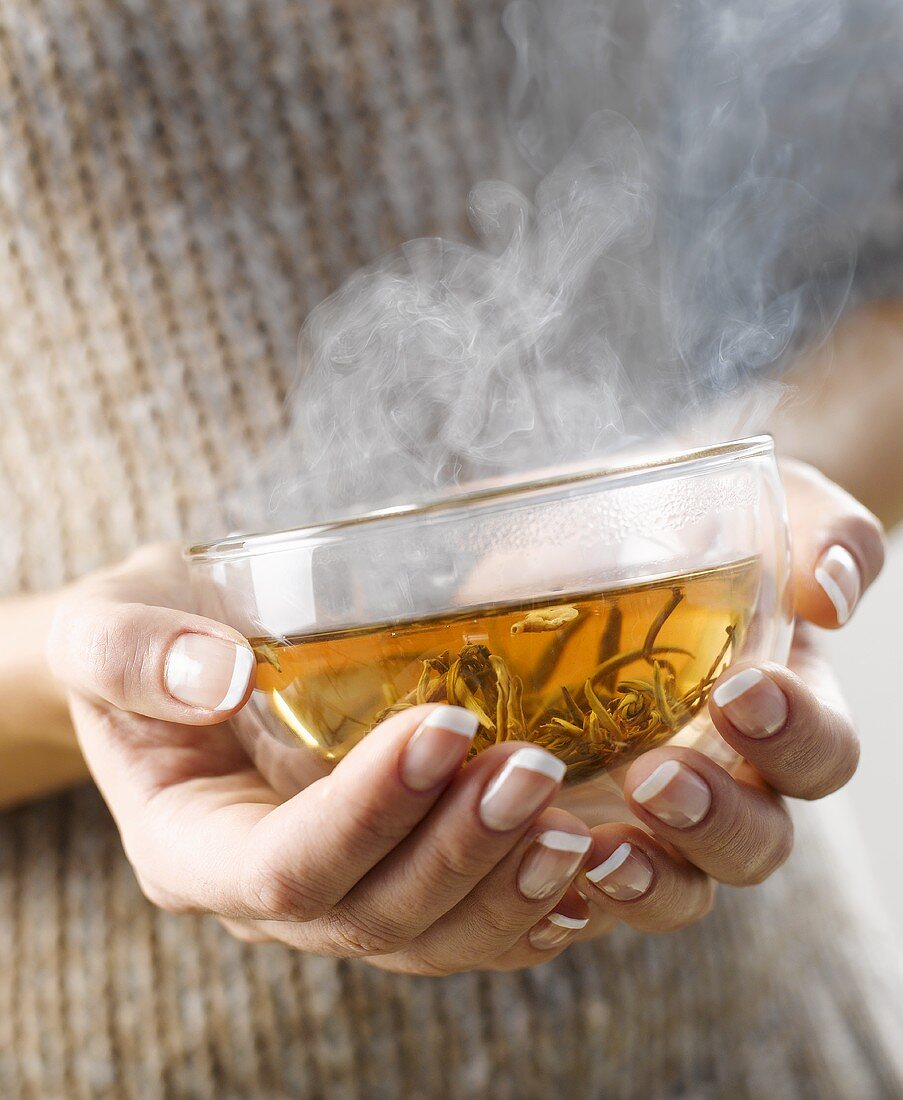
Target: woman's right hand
{"x": 399, "y": 855}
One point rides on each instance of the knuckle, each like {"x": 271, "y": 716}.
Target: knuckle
{"x": 278, "y": 895}
{"x": 371, "y": 826}
{"x": 455, "y": 866}
{"x": 103, "y": 669}
{"x": 363, "y": 824}
{"x": 115, "y": 653}
{"x": 357, "y": 934}
{"x": 492, "y": 923}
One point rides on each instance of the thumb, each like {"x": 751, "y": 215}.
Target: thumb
{"x": 150, "y": 660}
{"x": 838, "y": 546}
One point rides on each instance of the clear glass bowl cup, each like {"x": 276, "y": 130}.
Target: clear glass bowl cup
{"x": 588, "y": 613}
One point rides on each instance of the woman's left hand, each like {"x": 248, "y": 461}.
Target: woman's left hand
{"x": 701, "y": 823}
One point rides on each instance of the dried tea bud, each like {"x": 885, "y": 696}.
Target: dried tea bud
{"x": 546, "y": 618}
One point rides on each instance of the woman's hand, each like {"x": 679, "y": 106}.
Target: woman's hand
{"x": 703, "y": 824}
{"x": 403, "y": 856}
{"x": 400, "y": 854}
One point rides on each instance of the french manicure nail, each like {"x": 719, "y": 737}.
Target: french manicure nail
{"x": 551, "y": 862}
{"x": 838, "y": 574}
{"x": 675, "y": 794}
{"x": 554, "y": 929}
{"x": 438, "y": 747}
{"x": 752, "y": 702}
{"x": 208, "y": 672}
{"x": 525, "y": 782}
{"x": 572, "y": 924}
{"x": 625, "y": 875}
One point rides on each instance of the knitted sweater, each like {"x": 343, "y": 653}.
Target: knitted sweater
{"x": 179, "y": 184}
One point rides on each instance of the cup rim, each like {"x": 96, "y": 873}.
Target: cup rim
{"x": 681, "y": 463}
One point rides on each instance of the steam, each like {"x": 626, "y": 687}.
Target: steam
{"x": 704, "y": 170}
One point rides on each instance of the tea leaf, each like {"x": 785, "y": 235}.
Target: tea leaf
{"x": 546, "y": 618}
{"x": 659, "y": 621}
{"x": 459, "y": 694}
{"x": 517, "y": 724}
{"x": 624, "y": 659}
{"x": 573, "y": 710}
{"x": 270, "y": 654}
{"x": 548, "y": 662}
{"x": 600, "y": 711}
{"x": 661, "y": 696}
{"x": 565, "y": 725}
{"x": 610, "y": 642}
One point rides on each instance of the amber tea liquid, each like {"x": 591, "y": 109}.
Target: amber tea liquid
{"x": 596, "y": 678}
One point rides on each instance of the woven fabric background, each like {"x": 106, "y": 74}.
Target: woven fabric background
{"x": 179, "y": 184}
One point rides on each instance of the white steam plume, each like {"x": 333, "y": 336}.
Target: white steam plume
{"x": 705, "y": 169}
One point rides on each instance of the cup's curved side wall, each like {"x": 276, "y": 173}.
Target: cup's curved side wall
{"x": 573, "y": 538}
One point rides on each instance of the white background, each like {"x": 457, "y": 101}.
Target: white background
{"x": 868, "y": 659}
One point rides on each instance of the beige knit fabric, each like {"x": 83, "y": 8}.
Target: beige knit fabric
{"x": 180, "y": 181}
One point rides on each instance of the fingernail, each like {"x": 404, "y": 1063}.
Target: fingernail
{"x": 438, "y": 747}
{"x": 551, "y": 862}
{"x": 675, "y": 794}
{"x": 753, "y": 703}
{"x": 526, "y": 781}
{"x": 625, "y": 875}
{"x": 553, "y": 930}
{"x": 838, "y": 574}
{"x": 208, "y": 672}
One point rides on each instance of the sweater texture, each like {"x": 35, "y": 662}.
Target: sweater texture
{"x": 179, "y": 184}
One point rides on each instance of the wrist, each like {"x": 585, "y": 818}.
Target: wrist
{"x": 36, "y": 709}
{"x": 39, "y": 753}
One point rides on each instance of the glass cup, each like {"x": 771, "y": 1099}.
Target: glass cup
{"x": 588, "y": 613}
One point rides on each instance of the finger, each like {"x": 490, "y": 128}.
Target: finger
{"x": 553, "y": 933}
{"x": 509, "y": 901}
{"x": 483, "y": 816}
{"x": 150, "y": 660}
{"x": 240, "y": 854}
{"x": 631, "y": 877}
{"x": 734, "y": 831}
{"x": 570, "y": 921}
{"x": 800, "y": 744}
{"x": 838, "y": 546}
{"x": 308, "y": 853}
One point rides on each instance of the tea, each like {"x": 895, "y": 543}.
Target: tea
{"x": 595, "y": 678}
